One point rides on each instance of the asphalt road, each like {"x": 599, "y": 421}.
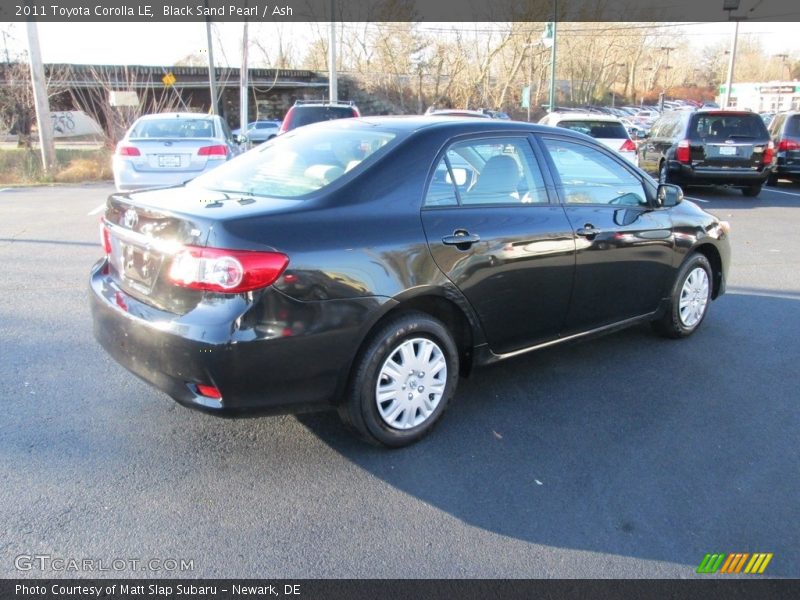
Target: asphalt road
{"x": 625, "y": 456}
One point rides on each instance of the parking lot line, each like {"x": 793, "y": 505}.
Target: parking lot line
{"x": 787, "y": 193}
{"x": 696, "y": 199}
{"x": 96, "y": 210}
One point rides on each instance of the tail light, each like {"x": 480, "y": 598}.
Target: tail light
{"x": 356, "y": 113}
{"x": 785, "y": 145}
{"x": 683, "y": 153}
{"x": 105, "y": 238}
{"x": 628, "y": 146}
{"x": 209, "y": 391}
{"x": 769, "y": 153}
{"x": 128, "y": 151}
{"x": 227, "y": 271}
{"x": 216, "y": 151}
{"x": 286, "y": 124}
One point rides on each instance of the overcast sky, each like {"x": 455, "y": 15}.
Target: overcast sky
{"x": 165, "y": 43}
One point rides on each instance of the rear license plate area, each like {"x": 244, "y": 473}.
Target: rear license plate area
{"x": 727, "y": 151}
{"x": 169, "y": 160}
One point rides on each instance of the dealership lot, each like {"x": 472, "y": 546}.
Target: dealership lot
{"x": 626, "y": 456}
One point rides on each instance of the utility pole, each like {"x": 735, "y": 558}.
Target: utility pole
{"x": 730, "y": 6}
{"x": 333, "y": 90}
{"x": 243, "y": 85}
{"x": 41, "y": 100}
{"x": 552, "y": 106}
{"x": 212, "y": 72}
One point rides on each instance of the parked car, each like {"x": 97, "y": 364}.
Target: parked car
{"x": 709, "y": 147}
{"x": 260, "y": 131}
{"x": 367, "y": 264}
{"x": 170, "y": 148}
{"x": 608, "y": 130}
{"x": 785, "y": 133}
{"x": 305, "y": 112}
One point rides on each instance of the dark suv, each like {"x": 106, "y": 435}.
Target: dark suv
{"x": 785, "y": 132}
{"x": 305, "y": 112}
{"x": 709, "y": 147}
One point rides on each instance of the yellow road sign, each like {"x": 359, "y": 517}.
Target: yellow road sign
{"x": 169, "y": 79}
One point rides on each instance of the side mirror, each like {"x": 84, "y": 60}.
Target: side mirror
{"x": 669, "y": 195}
{"x": 240, "y": 139}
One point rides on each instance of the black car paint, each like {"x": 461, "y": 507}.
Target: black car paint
{"x": 706, "y": 167}
{"x": 364, "y": 247}
{"x": 786, "y": 126}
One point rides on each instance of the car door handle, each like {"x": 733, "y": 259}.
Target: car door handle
{"x": 588, "y": 230}
{"x": 461, "y": 237}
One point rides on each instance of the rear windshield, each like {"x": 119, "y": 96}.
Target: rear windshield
{"x": 173, "y": 128}
{"x": 297, "y": 163}
{"x": 303, "y": 115}
{"x": 720, "y": 126}
{"x": 597, "y": 129}
{"x": 792, "y": 127}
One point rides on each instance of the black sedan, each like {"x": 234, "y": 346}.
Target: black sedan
{"x": 366, "y": 264}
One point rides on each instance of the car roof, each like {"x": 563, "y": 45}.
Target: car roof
{"x": 176, "y": 115}
{"x": 570, "y": 116}
{"x": 455, "y": 125}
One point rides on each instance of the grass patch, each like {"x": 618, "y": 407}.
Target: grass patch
{"x": 24, "y": 166}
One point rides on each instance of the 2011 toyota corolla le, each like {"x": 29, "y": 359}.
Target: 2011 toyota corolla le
{"x": 365, "y": 264}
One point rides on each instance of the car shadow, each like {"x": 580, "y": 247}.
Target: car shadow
{"x": 785, "y": 195}
{"x": 629, "y": 444}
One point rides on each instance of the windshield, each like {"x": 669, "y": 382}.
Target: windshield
{"x": 177, "y": 127}
{"x": 297, "y": 163}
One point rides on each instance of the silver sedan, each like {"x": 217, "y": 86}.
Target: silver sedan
{"x": 171, "y": 148}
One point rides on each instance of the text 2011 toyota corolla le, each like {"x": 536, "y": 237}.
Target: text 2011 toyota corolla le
{"x": 365, "y": 264}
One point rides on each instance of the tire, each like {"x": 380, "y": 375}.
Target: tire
{"x": 752, "y": 191}
{"x": 772, "y": 180}
{"x": 693, "y": 287}
{"x": 664, "y": 176}
{"x": 404, "y": 412}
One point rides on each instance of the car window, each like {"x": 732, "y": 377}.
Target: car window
{"x": 720, "y": 126}
{"x": 296, "y": 164}
{"x": 305, "y": 115}
{"x": 589, "y": 176}
{"x": 178, "y": 127}
{"x": 487, "y": 171}
{"x": 597, "y": 129}
{"x": 793, "y": 126}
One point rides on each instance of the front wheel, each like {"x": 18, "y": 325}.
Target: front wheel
{"x": 689, "y": 299}
{"x": 402, "y": 381}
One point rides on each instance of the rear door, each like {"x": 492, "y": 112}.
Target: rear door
{"x": 727, "y": 139}
{"x": 624, "y": 247}
{"x": 493, "y": 231}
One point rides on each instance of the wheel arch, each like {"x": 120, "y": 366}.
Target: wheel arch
{"x": 715, "y": 260}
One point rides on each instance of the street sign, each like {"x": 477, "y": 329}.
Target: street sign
{"x": 526, "y": 97}
{"x": 169, "y": 80}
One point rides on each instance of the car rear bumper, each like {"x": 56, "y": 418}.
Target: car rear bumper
{"x": 128, "y": 179}
{"x": 688, "y": 174}
{"x": 788, "y": 170}
{"x": 258, "y": 364}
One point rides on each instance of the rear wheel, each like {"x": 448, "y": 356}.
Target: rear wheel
{"x": 689, "y": 299}
{"x": 752, "y": 191}
{"x": 402, "y": 381}
{"x": 664, "y": 175}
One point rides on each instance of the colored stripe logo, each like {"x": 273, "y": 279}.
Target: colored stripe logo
{"x": 733, "y": 563}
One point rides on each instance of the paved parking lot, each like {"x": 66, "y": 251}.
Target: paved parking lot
{"x": 625, "y": 456}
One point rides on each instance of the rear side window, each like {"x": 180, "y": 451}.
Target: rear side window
{"x": 597, "y": 129}
{"x": 487, "y": 171}
{"x": 721, "y": 126}
{"x": 173, "y": 128}
{"x": 792, "y": 126}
